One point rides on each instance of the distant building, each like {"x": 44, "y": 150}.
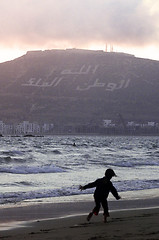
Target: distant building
{"x": 130, "y": 124}
{"x": 1, "y": 127}
{"x": 108, "y": 123}
{"x": 151, "y": 124}
{"x": 25, "y": 127}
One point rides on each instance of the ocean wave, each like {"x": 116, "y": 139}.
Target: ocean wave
{"x": 15, "y": 184}
{"x": 86, "y": 156}
{"x": 35, "y": 169}
{"x": 9, "y": 160}
{"x": 24, "y": 183}
{"x": 128, "y": 163}
{"x": 56, "y": 151}
{"x": 5, "y": 159}
{"x": 12, "y": 152}
{"x": 134, "y": 185}
{"x": 131, "y": 165}
{"x": 14, "y": 197}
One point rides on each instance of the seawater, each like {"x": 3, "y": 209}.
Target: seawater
{"x": 52, "y": 167}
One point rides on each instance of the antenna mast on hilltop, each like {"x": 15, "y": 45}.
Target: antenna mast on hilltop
{"x": 110, "y": 47}
{"x": 106, "y": 48}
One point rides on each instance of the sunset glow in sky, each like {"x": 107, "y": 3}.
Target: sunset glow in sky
{"x": 130, "y": 26}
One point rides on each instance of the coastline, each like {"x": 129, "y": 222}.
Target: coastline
{"x": 56, "y": 207}
{"x": 67, "y": 218}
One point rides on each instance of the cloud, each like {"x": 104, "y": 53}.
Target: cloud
{"x": 55, "y": 23}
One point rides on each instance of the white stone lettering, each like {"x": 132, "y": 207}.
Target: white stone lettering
{"x": 83, "y": 70}
{"x": 33, "y": 82}
{"x": 116, "y": 86}
{"x": 95, "y": 84}
{"x": 109, "y": 86}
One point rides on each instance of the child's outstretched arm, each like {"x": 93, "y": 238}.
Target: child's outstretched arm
{"x": 81, "y": 187}
{"x": 89, "y": 185}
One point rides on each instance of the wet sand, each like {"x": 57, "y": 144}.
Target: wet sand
{"x": 129, "y": 219}
{"x": 127, "y": 224}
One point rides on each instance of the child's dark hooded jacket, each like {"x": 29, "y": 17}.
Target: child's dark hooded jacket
{"x": 103, "y": 187}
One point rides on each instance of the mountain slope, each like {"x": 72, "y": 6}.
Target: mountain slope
{"x": 78, "y": 87}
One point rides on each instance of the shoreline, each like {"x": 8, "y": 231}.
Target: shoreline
{"x": 134, "y": 217}
{"x": 126, "y": 195}
{"x": 21, "y": 214}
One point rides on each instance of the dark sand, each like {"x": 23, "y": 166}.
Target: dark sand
{"x": 129, "y": 219}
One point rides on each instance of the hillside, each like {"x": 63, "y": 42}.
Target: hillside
{"x": 72, "y": 87}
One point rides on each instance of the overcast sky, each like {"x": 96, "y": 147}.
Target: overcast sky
{"x": 129, "y": 25}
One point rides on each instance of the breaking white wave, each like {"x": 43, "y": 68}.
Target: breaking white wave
{"x": 13, "y": 197}
{"x": 22, "y": 169}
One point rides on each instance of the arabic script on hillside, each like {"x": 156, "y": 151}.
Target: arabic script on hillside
{"x": 85, "y": 70}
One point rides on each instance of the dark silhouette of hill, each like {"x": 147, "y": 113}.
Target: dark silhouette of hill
{"x": 79, "y": 87}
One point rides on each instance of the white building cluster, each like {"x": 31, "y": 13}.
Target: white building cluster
{"x": 107, "y": 123}
{"x": 24, "y": 128}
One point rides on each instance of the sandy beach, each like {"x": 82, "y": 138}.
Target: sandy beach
{"x": 136, "y": 224}
{"x": 129, "y": 219}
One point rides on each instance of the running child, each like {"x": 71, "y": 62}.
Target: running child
{"x": 103, "y": 187}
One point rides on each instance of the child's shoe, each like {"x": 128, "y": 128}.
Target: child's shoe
{"x": 89, "y": 216}
{"x": 105, "y": 217}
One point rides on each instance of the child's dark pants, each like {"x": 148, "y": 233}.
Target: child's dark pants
{"x": 98, "y": 202}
